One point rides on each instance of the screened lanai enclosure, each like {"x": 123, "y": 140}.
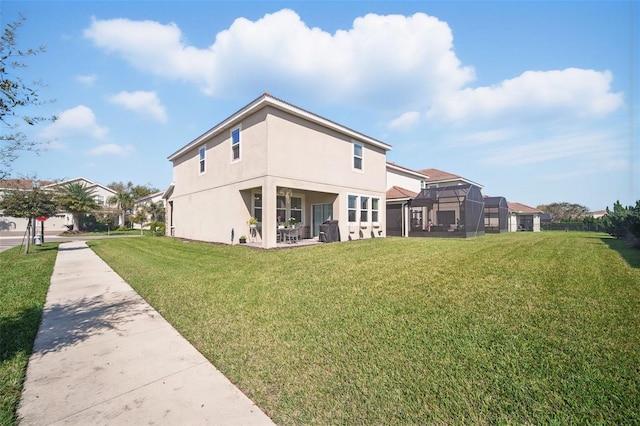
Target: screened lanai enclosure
{"x": 450, "y": 211}
{"x": 496, "y": 215}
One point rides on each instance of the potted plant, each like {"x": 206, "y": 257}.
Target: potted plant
{"x": 252, "y": 222}
{"x": 243, "y": 239}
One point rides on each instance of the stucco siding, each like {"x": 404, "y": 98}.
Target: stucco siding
{"x": 403, "y": 180}
{"x": 306, "y": 151}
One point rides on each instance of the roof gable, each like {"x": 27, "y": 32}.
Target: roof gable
{"x": 267, "y": 100}
{"x": 398, "y": 192}
{"x": 521, "y": 208}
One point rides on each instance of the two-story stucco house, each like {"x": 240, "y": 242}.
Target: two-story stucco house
{"x": 275, "y": 161}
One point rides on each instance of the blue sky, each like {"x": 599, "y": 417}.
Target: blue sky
{"x": 537, "y": 101}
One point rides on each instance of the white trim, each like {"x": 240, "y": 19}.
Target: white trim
{"x": 354, "y": 156}
{"x": 268, "y": 100}
{"x": 233, "y": 129}
{"x": 202, "y": 159}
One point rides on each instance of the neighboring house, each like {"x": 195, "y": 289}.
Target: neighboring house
{"x": 523, "y": 218}
{"x": 403, "y": 185}
{"x": 438, "y": 178}
{"x": 449, "y": 205}
{"x": 598, "y": 214}
{"x": 144, "y": 202}
{"x": 61, "y": 221}
{"x": 432, "y": 203}
{"x": 275, "y": 161}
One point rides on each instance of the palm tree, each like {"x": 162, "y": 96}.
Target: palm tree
{"x": 156, "y": 211}
{"x": 76, "y": 199}
{"x": 124, "y": 201}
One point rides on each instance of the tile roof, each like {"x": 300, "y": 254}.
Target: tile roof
{"x": 437, "y": 175}
{"x": 398, "y": 192}
{"x": 521, "y": 208}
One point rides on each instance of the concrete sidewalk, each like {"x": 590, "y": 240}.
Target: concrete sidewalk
{"x": 103, "y": 356}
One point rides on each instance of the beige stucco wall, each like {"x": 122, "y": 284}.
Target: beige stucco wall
{"x": 278, "y": 151}
{"x": 403, "y": 180}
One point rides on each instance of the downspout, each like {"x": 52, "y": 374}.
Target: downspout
{"x": 405, "y": 232}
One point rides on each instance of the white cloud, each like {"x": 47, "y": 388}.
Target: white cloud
{"x": 78, "y": 122}
{"x": 571, "y": 92}
{"x": 380, "y": 57}
{"x": 596, "y": 146}
{"x": 395, "y": 62}
{"x": 87, "y": 80}
{"x": 406, "y": 120}
{"x": 145, "y": 103}
{"x": 112, "y": 149}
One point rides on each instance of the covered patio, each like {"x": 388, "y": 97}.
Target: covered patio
{"x": 450, "y": 212}
{"x": 496, "y": 215}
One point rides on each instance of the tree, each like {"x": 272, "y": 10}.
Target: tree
{"x": 140, "y": 217}
{"x": 156, "y": 211}
{"x": 29, "y": 204}
{"x": 624, "y": 222}
{"x": 15, "y": 95}
{"x": 123, "y": 199}
{"x": 562, "y": 212}
{"x": 76, "y": 199}
{"x": 126, "y": 196}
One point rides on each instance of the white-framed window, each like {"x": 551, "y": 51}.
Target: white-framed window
{"x": 364, "y": 209}
{"x": 284, "y": 212}
{"x": 352, "y": 208}
{"x": 375, "y": 202}
{"x": 202, "y": 152}
{"x": 100, "y": 199}
{"x": 235, "y": 144}
{"x": 257, "y": 206}
{"x": 295, "y": 210}
{"x": 358, "y": 156}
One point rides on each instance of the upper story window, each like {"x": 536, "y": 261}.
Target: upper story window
{"x": 357, "y": 156}
{"x": 235, "y": 144}
{"x": 100, "y": 199}
{"x": 202, "y": 152}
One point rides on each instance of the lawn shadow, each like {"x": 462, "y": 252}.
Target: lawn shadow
{"x": 18, "y": 332}
{"x": 65, "y": 325}
{"x": 628, "y": 253}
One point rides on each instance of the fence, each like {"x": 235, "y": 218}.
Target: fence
{"x": 572, "y": 226}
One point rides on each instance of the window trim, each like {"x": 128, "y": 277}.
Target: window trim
{"x": 355, "y": 157}
{"x": 235, "y": 129}
{"x": 202, "y": 159}
{"x": 375, "y": 210}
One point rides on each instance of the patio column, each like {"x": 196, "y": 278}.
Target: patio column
{"x": 269, "y": 193}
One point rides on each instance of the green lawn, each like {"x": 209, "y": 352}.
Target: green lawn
{"x": 24, "y": 281}
{"x": 512, "y": 328}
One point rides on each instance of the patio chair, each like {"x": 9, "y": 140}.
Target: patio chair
{"x": 300, "y": 229}
{"x": 292, "y": 234}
